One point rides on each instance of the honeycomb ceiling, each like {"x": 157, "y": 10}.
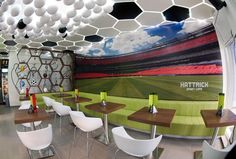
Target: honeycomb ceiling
{"x": 127, "y": 16}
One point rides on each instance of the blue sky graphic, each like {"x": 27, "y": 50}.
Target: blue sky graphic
{"x": 166, "y": 32}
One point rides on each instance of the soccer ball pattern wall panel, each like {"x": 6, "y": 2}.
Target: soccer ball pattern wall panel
{"x": 42, "y": 70}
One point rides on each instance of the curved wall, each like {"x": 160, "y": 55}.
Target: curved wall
{"x": 185, "y": 67}
{"x": 225, "y": 25}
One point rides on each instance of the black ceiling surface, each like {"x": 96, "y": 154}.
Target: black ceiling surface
{"x": 176, "y": 13}
{"x": 10, "y": 42}
{"x": 3, "y": 53}
{"x": 49, "y": 43}
{"x": 125, "y": 10}
{"x": 93, "y": 38}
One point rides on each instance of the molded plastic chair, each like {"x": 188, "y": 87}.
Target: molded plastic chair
{"x": 131, "y": 146}
{"x": 86, "y": 124}
{"x": 210, "y": 152}
{"x": 48, "y": 102}
{"x": 37, "y": 139}
{"x": 61, "y": 110}
{"x": 26, "y": 105}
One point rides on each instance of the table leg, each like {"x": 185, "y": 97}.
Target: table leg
{"x": 77, "y": 106}
{"x": 104, "y": 138}
{"x": 215, "y": 133}
{"x": 153, "y": 131}
{"x": 106, "y": 129}
{"x": 153, "y": 134}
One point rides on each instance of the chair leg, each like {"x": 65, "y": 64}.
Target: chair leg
{"x": 55, "y": 152}
{"x": 29, "y": 152}
{"x": 73, "y": 143}
{"x": 41, "y": 126}
{"x": 74, "y": 134}
{"x": 91, "y": 147}
{"x": 116, "y": 153}
{"x": 55, "y": 116}
{"x": 87, "y": 144}
{"x": 60, "y": 125}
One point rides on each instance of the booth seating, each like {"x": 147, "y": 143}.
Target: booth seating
{"x": 187, "y": 121}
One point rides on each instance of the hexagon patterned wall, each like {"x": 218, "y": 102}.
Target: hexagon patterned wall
{"x": 42, "y": 70}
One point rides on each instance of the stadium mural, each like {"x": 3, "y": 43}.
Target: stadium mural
{"x": 178, "y": 61}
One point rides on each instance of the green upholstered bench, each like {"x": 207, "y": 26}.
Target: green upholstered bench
{"x": 187, "y": 120}
{"x": 40, "y": 101}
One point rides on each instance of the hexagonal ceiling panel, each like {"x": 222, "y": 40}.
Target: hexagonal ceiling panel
{"x": 154, "y": 5}
{"x": 176, "y": 13}
{"x": 3, "y": 53}
{"x": 108, "y": 32}
{"x": 125, "y": 10}
{"x": 127, "y": 25}
{"x": 40, "y": 39}
{"x": 73, "y": 48}
{"x": 87, "y": 30}
{"x": 2, "y": 45}
{"x": 187, "y": 3}
{"x": 75, "y": 38}
{"x": 150, "y": 18}
{"x": 11, "y": 48}
{"x": 104, "y": 21}
{"x": 59, "y": 48}
{"x": 10, "y": 42}
{"x": 127, "y": 15}
{"x": 54, "y": 38}
{"x": 93, "y": 38}
{"x": 65, "y": 43}
{"x": 23, "y": 41}
{"x": 202, "y": 11}
{"x": 35, "y": 45}
{"x": 49, "y": 43}
{"x": 82, "y": 43}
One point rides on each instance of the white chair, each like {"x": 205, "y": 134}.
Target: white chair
{"x": 26, "y": 105}
{"x": 210, "y": 152}
{"x": 37, "y": 139}
{"x": 86, "y": 124}
{"x": 131, "y": 146}
{"x": 61, "y": 110}
{"x": 48, "y": 102}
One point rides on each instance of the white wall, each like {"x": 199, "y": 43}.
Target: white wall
{"x": 13, "y": 94}
{"x": 225, "y": 25}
